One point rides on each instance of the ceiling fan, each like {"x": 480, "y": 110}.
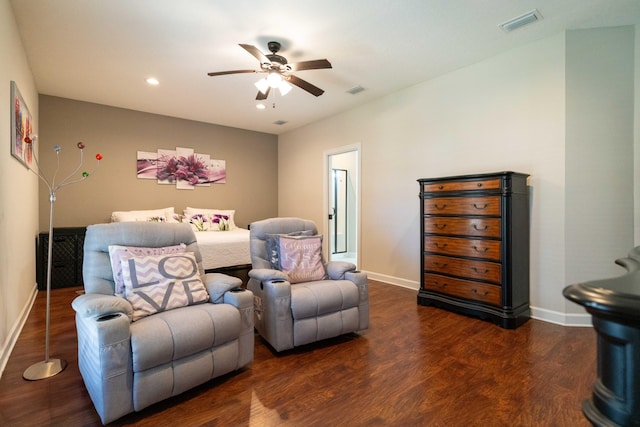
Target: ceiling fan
{"x": 279, "y": 71}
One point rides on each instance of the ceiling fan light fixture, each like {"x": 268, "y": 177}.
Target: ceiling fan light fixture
{"x": 274, "y": 79}
{"x": 262, "y": 85}
{"x": 285, "y": 88}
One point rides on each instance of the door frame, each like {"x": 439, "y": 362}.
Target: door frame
{"x": 327, "y": 180}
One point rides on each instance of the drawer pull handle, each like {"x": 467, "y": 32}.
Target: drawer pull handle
{"x": 475, "y": 291}
{"x": 440, "y": 285}
{"x": 439, "y": 246}
{"x": 440, "y": 226}
{"x": 437, "y": 264}
{"x": 475, "y": 205}
{"x": 440, "y": 187}
{"x": 438, "y": 207}
{"x": 479, "y": 184}
{"x": 478, "y": 250}
{"x": 475, "y": 226}
{"x": 478, "y": 271}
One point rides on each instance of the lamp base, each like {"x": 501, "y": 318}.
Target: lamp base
{"x": 42, "y": 370}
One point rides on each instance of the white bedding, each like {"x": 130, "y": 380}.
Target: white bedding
{"x": 224, "y": 248}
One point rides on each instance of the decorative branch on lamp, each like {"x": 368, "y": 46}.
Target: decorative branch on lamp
{"x": 50, "y": 367}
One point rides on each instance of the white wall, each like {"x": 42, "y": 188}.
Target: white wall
{"x": 636, "y": 138}
{"x": 18, "y": 194}
{"x": 599, "y": 153}
{"x": 505, "y": 113}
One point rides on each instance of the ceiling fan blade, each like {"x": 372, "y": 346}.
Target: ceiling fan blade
{"x": 256, "y": 53}
{"x": 303, "y": 84}
{"x": 262, "y": 96}
{"x": 222, "y": 73}
{"x": 316, "y": 64}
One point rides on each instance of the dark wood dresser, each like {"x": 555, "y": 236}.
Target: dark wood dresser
{"x": 475, "y": 246}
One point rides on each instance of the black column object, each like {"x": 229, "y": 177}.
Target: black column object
{"x": 614, "y": 305}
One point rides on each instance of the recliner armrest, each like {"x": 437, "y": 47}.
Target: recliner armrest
{"x": 337, "y": 269}
{"x": 99, "y": 305}
{"x": 217, "y": 284}
{"x": 267, "y": 274}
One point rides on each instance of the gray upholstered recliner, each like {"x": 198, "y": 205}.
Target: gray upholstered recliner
{"x": 128, "y": 365}
{"x": 289, "y": 315}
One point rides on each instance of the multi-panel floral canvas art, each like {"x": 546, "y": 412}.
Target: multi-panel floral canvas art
{"x": 181, "y": 167}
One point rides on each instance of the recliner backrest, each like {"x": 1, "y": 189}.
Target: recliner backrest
{"x": 96, "y": 265}
{"x": 260, "y": 230}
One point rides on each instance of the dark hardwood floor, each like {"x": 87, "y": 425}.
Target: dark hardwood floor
{"x": 415, "y": 366}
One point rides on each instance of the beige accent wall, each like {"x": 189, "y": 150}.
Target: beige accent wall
{"x": 251, "y": 161}
{"x": 18, "y": 195}
{"x": 508, "y": 112}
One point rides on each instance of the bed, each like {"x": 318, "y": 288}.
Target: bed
{"x": 222, "y": 251}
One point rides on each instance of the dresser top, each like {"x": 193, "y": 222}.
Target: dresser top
{"x": 476, "y": 176}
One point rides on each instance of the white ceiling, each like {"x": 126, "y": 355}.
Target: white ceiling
{"x": 102, "y": 51}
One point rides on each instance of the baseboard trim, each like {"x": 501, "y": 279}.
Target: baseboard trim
{"x": 10, "y": 342}
{"x": 550, "y": 316}
{"x": 559, "y": 318}
{"x": 393, "y": 280}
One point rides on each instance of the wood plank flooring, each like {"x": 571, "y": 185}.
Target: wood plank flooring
{"x": 415, "y": 366}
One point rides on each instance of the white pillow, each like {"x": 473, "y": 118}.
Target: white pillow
{"x": 144, "y": 215}
{"x": 209, "y": 213}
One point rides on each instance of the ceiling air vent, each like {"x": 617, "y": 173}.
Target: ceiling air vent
{"x": 279, "y": 122}
{"x": 521, "y": 21}
{"x": 355, "y": 89}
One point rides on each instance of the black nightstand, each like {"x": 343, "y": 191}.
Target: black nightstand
{"x": 66, "y": 254}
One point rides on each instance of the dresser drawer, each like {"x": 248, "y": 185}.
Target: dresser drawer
{"x": 475, "y": 248}
{"x": 481, "y": 270}
{"x": 490, "y": 294}
{"x": 480, "y": 227}
{"x": 488, "y": 205}
{"x": 483, "y": 184}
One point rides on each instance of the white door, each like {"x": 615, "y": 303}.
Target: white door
{"x": 342, "y": 203}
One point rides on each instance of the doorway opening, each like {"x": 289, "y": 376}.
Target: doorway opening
{"x": 342, "y": 201}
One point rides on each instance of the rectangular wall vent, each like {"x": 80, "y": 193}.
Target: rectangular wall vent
{"x": 521, "y": 21}
{"x": 355, "y": 89}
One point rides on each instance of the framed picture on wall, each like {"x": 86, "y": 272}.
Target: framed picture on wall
{"x": 21, "y": 126}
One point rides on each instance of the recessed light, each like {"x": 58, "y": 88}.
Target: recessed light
{"x": 260, "y": 107}
{"x": 153, "y": 81}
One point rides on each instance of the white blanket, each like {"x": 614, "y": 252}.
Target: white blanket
{"x": 224, "y": 248}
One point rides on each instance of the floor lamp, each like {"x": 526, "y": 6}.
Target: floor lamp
{"x": 50, "y": 366}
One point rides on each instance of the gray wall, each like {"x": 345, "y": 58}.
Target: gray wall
{"x": 251, "y": 161}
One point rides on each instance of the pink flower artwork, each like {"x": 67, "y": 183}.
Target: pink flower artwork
{"x": 181, "y": 167}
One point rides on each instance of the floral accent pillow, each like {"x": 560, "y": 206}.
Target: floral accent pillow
{"x": 156, "y": 283}
{"x": 117, "y": 253}
{"x": 211, "y": 214}
{"x": 301, "y": 257}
